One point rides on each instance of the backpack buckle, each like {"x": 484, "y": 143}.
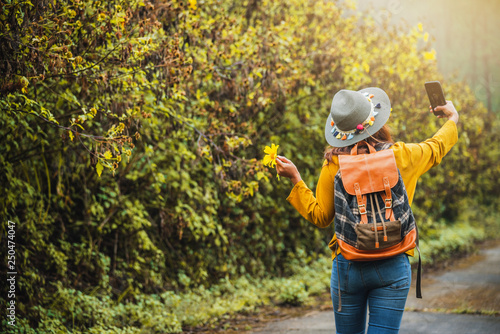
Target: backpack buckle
{"x": 362, "y": 209}
{"x": 388, "y": 203}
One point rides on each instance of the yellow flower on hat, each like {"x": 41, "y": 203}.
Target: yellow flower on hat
{"x": 271, "y": 154}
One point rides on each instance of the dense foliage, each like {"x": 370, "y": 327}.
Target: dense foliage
{"x": 132, "y": 134}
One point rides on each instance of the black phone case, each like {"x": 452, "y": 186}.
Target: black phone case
{"x": 436, "y": 96}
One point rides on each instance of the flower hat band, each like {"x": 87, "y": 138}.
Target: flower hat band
{"x": 356, "y": 115}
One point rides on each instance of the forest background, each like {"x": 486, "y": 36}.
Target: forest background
{"x": 132, "y": 134}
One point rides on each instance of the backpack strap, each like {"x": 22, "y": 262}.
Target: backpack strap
{"x": 419, "y": 268}
{"x": 381, "y": 218}
{"x": 354, "y": 150}
{"x": 389, "y": 214}
{"x": 361, "y": 203}
{"x": 374, "y": 228}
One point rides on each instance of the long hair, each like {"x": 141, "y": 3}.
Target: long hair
{"x": 381, "y": 137}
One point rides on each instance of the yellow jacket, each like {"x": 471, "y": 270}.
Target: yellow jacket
{"x": 413, "y": 160}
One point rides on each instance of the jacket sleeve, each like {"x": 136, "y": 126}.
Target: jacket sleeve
{"x": 319, "y": 210}
{"x": 416, "y": 159}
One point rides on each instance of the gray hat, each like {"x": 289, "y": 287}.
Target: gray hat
{"x": 355, "y": 116}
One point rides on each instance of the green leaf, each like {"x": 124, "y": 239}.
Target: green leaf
{"x": 99, "y": 168}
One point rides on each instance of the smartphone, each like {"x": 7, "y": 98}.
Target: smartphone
{"x": 436, "y": 96}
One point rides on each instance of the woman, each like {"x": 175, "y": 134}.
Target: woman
{"x": 383, "y": 284}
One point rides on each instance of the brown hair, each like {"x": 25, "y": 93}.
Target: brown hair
{"x": 381, "y": 137}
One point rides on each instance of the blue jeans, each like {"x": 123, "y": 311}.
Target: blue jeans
{"x": 382, "y": 285}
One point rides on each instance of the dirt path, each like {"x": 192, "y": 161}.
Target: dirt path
{"x": 462, "y": 299}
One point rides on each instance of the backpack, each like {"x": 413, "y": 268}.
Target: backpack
{"x": 373, "y": 219}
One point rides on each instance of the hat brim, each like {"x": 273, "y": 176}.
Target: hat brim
{"x": 379, "y": 96}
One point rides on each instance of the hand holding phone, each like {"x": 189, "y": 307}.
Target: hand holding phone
{"x": 436, "y": 96}
{"x": 448, "y": 111}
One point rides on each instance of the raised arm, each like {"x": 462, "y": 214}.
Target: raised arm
{"x": 430, "y": 152}
{"x": 416, "y": 159}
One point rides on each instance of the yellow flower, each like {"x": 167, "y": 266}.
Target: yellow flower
{"x": 271, "y": 154}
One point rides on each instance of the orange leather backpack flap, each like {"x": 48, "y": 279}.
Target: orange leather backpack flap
{"x": 369, "y": 171}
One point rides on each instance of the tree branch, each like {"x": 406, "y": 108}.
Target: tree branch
{"x": 70, "y": 129}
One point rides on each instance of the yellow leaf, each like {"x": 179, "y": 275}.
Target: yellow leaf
{"x": 98, "y": 168}
{"x": 420, "y": 27}
{"x": 161, "y": 177}
{"x": 108, "y": 154}
{"x": 430, "y": 55}
{"x": 261, "y": 175}
{"x": 366, "y": 67}
{"x": 70, "y": 133}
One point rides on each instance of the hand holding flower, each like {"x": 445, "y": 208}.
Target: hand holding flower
{"x": 286, "y": 168}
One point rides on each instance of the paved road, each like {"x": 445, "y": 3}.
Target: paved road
{"x": 413, "y": 323}
{"x": 473, "y": 284}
